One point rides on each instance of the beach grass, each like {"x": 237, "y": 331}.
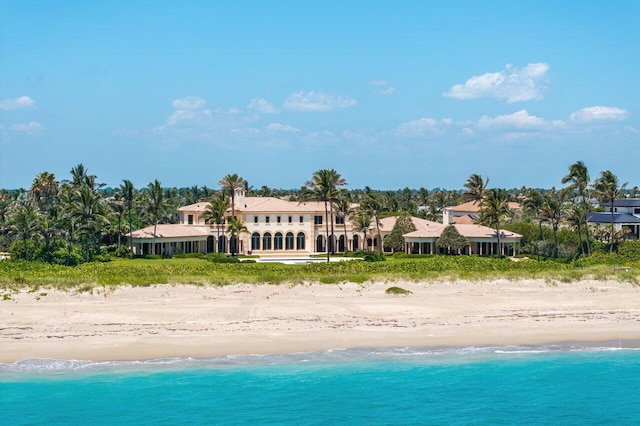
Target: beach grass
{"x": 145, "y": 272}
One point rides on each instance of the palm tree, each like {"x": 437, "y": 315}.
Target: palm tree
{"x": 118, "y": 208}
{"x": 230, "y": 183}
{"x": 216, "y": 210}
{"x": 87, "y": 210}
{"x": 552, "y": 214}
{"x": 128, "y": 196}
{"x": 494, "y": 209}
{"x": 344, "y": 210}
{"x": 156, "y": 206}
{"x": 578, "y": 179}
{"x": 323, "y": 187}
{"x": 533, "y": 202}
{"x": 373, "y": 206}
{"x": 608, "y": 189}
{"x": 43, "y": 190}
{"x": 235, "y": 227}
{"x": 362, "y": 223}
{"x": 476, "y": 188}
{"x": 575, "y": 218}
{"x": 22, "y": 221}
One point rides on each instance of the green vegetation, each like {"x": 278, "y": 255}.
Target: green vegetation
{"x": 397, "y": 290}
{"x": 144, "y": 272}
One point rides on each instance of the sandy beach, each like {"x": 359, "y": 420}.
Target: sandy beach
{"x": 162, "y": 321}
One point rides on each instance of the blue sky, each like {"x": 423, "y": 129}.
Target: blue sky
{"x": 390, "y": 94}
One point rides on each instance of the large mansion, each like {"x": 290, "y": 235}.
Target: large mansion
{"x": 281, "y": 228}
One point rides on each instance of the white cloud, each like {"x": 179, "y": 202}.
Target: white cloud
{"x": 189, "y": 103}
{"x": 317, "y": 101}
{"x": 21, "y": 102}
{"x": 385, "y": 88}
{"x": 262, "y": 106}
{"x": 511, "y": 85}
{"x": 518, "y": 120}
{"x": 29, "y": 128}
{"x": 599, "y": 113}
{"x": 424, "y": 127}
{"x": 277, "y": 127}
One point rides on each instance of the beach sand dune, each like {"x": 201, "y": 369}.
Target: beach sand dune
{"x": 165, "y": 320}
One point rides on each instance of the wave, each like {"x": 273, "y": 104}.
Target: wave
{"x": 332, "y": 356}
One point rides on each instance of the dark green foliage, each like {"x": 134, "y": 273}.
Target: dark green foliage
{"x": 220, "y": 258}
{"x": 630, "y": 250}
{"x": 397, "y": 290}
{"x": 394, "y": 241}
{"x": 452, "y": 241}
{"x": 374, "y": 257}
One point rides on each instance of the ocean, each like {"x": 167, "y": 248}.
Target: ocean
{"x": 548, "y": 385}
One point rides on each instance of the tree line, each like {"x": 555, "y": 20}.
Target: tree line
{"x": 81, "y": 220}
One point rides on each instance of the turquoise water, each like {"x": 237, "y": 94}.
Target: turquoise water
{"x": 395, "y": 386}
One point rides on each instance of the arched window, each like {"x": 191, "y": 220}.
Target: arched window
{"x": 356, "y": 243}
{"x": 320, "y": 244}
{"x": 255, "y": 241}
{"x": 288, "y": 241}
{"x": 341, "y": 244}
{"x": 266, "y": 241}
{"x": 277, "y": 241}
{"x": 210, "y": 244}
{"x": 222, "y": 244}
{"x": 300, "y": 241}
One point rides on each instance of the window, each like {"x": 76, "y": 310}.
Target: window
{"x": 266, "y": 241}
{"x": 278, "y": 219}
{"x": 255, "y": 219}
{"x": 339, "y": 220}
{"x": 190, "y": 219}
{"x": 317, "y": 220}
{"x": 267, "y": 219}
{"x": 290, "y": 219}
{"x": 300, "y": 241}
{"x": 255, "y": 241}
{"x": 277, "y": 241}
{"x": 288, "y": 241}
{"x": 301, "y": 219}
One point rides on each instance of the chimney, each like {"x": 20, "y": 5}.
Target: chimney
{"x": 239, "y": 198}
{"x": 447, "y": 216}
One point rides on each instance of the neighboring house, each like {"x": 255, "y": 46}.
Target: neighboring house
{"x": 483, "y": 241}
{"x": 386, "y": 226}
{"x": 468, "y": 213}
{"x": 626, "y": 216}
{"x": 275, "y": 227}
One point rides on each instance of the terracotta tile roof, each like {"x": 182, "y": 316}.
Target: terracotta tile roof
{"x": 197, "y": 207}
{"x": 172, "y": 231}
{"x": 474, "y": 207}
{"x": 466, "y": 219}
{"x": 467, "y": 230}
{"x": 387, "y": 223}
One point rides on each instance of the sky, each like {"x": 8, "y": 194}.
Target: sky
{"x": 390, "y": 94}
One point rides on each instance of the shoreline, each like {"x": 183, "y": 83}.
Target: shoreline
{"x": 164, "y": 321}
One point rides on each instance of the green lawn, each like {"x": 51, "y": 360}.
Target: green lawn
{"x": 143, "y": 272}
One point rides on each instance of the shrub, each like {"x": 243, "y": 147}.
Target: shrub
{"x": 630, "y": 250}
{"x": 374, "y": 257}
{"x": 397, "y": 290}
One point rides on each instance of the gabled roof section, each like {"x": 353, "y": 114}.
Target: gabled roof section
{"x": 172, "y": 231}
{"x": 197, "y": 207}
{"x": 474, "y": 207}
{"x": 617, "y": 218}
{"x": 466, "y": 230}
{"x": 388, "y": 223}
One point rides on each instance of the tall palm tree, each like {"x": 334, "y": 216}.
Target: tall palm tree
{"x": 156, "y": 206}
{"x": 323, "y": 187}
{"x": 216, "y": 211}
{"x": 344, "y": 210}
{"x": 578, "y": 179}
{"x": 552, "y": 213}
{"x": 43, "y": 190}
{"x": 119, "y": 209}
{"x": 22, "y": 221}
{"x": 235, "y": 227}
{"x": 476, "y": 188}
{"x": 87, "y": 210}
{"x": 362, "y": 223}
{"x": 574, "y": 218}
{"x": 229, "y": 184}
{"x": 373, "y": 206}
{"x": 608, "y": 189}
{"x": 128, "y": 196}
{"x": 494, "y": 210}
{"x": 533, "y": 202}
